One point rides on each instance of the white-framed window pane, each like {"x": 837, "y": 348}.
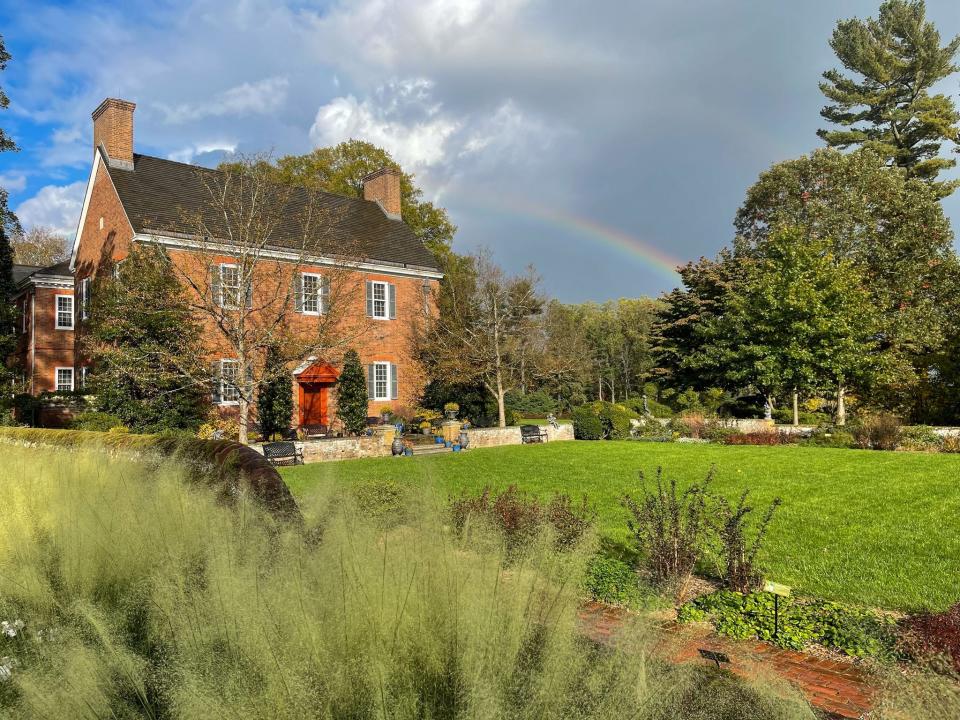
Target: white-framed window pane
{"x": 228, "y": 381}
{"x": 229, "y": 286}
{"x": 381, "y": 381}
{"x": 64, "y": 312}
{"x": 85, "y": 299}
{"x": 311, "y": 293}
{"x": 64, "y": 379}
{"x": 379, "y": 299}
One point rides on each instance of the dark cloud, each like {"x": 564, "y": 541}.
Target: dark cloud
{"x": 551, "y": 129}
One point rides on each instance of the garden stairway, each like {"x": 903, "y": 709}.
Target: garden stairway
{"x": 839, "y": 689}
{"x": 431, "y": 449}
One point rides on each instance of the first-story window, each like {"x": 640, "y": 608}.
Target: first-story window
{"x": 229, "y": 391}
{"x": 64, "y": 379}
{"x": 64, "y": 312}
{"x": 382, "y": 381}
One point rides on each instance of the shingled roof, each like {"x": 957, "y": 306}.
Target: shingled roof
{"x": 21, "y": 273}
{"x": 157, "y": 194}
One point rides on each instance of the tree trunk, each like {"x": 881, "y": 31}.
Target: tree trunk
{"x": 841, "y": 405}
{"x": 244, "y": 410}
{"x": 768, "y": 407}
{"x": 600, "y": 386}
{"x": 501, "y": 410}
{"x": 796, "y": 408}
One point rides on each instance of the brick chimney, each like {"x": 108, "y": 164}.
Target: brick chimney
{"x": 384, "y": 187}
{"x": 113, "y": 131}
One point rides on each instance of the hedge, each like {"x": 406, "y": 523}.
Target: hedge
{"x": 224, "y": 465}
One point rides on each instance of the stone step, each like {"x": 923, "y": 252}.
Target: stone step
{"x": 431, "y": 449}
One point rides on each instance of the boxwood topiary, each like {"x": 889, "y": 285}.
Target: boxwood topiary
{"x": 586, "y": 423}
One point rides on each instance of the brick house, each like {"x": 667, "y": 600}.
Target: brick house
{"x": 130, "y": 196}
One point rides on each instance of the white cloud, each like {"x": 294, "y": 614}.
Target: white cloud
{"x": 261, "y": 97}
{"x": 13, "y": 182}
{"x": 54, "y": 206}
{"x": 188, "y": 153}
{"x": 402, "y": 118}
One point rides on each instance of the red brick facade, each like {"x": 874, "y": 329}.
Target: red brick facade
{"x": 106, "y": 234}
{"x": 43, "y": 345}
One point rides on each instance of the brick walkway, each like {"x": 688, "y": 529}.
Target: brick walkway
{"x": 839, "y": 689}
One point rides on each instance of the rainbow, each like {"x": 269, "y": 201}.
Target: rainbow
{"x": 633, "y": 247}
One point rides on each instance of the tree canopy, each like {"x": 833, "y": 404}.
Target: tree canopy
{"x": 886, "y": 103}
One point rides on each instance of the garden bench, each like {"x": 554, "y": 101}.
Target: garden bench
{"x": 283, "y": 453}
{"x": 532, "y": 434}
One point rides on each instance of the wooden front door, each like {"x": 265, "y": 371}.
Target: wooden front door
{"x": 313, "y": 403}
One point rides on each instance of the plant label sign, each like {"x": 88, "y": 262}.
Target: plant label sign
{"x": 776, "y": 588}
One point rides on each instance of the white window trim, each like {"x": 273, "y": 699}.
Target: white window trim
{"x": 239, "y": 287}
{"x": 83, "y": 377}
{"x": 56, "y": 311}
{"x": 56, "y": 378}
{"x": 386, "y": 299}
{"x": 233, "y": 385}
{"x": 386, "y": 368}
{"x": 303, "y": 293}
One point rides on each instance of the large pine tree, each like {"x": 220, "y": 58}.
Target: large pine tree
{"x": 885, "y": 103}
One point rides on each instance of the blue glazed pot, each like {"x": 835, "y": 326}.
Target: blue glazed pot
{"x": 407, "y": 452}
{"x": 447, "y": 443}
{"x": 438, "y": 439}
{"x": 456, "y": 448}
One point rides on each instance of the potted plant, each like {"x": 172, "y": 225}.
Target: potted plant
{"x": 450, "y": 410}
{"x": 425, "y": 427}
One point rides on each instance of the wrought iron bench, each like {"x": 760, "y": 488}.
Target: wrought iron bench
{"x": 283, "y": 453}
{"x": 532, "y": 434}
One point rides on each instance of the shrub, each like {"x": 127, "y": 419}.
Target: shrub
{"x": 717, "y": 432}
{"x": 657, "y": 409}
{"x": 616, "y": 420}
{"x": 934, "y": 639}
{"x": 519, "y": 517}
{"x": 94, "y": 420}
{"x": 613, "y": 581}
{"x": 694, "y": 424}
{"x": 219, "y": 427}
{"x": 784, "y": 416}
{"x": 586, "y": 423}
{"x": 275, "y": 397}
{"x": 951, "y": 444}
{"x": 739, "y": 556}
{"x": 766, "y": 437}
{"x": 352, "y": 391}
{"x": 830, "y": 437}
{"x": 669, "y": 527}
{"x": 877, "y": 432}
{"x": 854, "y": 631}
{"x": 919, "y": 437}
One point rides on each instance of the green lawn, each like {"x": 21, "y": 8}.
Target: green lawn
{"x": 875, "y": 528}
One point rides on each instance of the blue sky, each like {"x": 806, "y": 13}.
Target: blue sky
{"x": 596, "y": 140}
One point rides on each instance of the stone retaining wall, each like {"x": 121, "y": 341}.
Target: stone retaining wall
{"x": 350, "y": 448}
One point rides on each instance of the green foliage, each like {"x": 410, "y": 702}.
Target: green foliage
{"x": 784, "y": 416}
{"x": 96, "y": 420}
{"x": 853, "y": 631}
{"x": 737, "y": 552}
{"x": 894, "y": 232}
{"x": 657, "y": 409}
{"x": 920, "y": 437}
{"x": 614, "y": 582}
{"x": 352, "y": 394}
{"x": 887, "y": 105}
{"x": 537, "y": 403}
{"x": 146, "y": 346}
{"x": 831, "y": 437}
{"x": 586, "y": 423}
{"x": 275, "y": 397}
{"x": 799, "y": 320}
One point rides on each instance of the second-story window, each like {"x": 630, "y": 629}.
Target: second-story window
{"x": 229, "y": 391}
{"x": 229, "y": 286}
{"x": 381, "y": 300}
{"x": 64, "y": 312}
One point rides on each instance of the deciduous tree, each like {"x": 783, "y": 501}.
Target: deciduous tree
{"x": 886, "y": 104}
{"x": 39, "y": 246}
{"x": 484, "y": 318}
